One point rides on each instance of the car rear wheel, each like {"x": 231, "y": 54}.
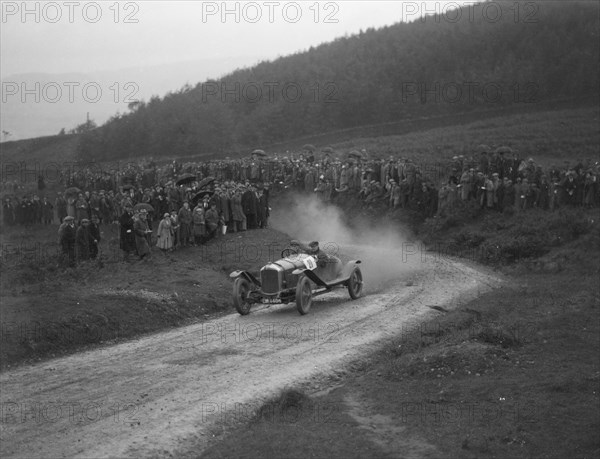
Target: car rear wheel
{"x": 355, "y": 284}
{"x": 303, "y": 295}
{"x": 241, "y": 289}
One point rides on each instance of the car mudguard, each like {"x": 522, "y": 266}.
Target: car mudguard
{"x": 348, "y": 268}
{"x": 312, "y": 276}
{"x": 249, "y": 277}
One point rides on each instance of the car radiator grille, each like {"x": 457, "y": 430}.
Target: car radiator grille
{"x": 269, "y": 278}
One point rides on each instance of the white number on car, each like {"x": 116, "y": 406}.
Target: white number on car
{"x": 310, "y": 263}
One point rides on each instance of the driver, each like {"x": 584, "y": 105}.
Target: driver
{"x": 312, "y": 248}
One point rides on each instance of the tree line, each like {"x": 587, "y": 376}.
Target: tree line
{"x": 443, "y": 65}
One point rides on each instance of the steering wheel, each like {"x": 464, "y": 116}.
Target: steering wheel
{"x": 285, "y": 253}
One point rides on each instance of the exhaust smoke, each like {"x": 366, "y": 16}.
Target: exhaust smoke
{"x": 386, "y": 252}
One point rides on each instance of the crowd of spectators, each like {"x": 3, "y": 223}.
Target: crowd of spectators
{"x": 143, "y": 195}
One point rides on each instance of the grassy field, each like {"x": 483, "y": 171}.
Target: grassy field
{"x": 550, "y": 137}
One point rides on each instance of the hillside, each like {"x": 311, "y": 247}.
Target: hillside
{"x": 549, "y": 135}
{"x": 405, "y": 71}
{"x": 40, "y": 150}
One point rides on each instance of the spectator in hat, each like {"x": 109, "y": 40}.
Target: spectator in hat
{"x": 590, "y": 189}
{"x": 142, "y": 233}
{"x": 543, "y": 201}
{"x": 8, "y": 212}
{"x": 263, "y": 209}
{"x": 570, "y": 189}
{"x": 212, "y": 221}
{"x": 47, "y": 211}
{"x": 95, "y": 236}
{"x": 175, "y": 225}
{"x": 81, "y": 208}
{"x": 127, "y": 236}
{"x": 60, "y": 203}
{"x": 165, "y": 233}
{"x": 394, "y": 201}
{"x": 250, "y": 204}
{"x": 185, "y": 224}
{"x": 237, "y": 211}
{"x": 83, "y": 239}
{"x": 199, "y": 224}
{"x": 67, "y": 237}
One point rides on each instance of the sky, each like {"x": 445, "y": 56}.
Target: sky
{"x": 50, "y": 52}
{"x": 81, "y": 36}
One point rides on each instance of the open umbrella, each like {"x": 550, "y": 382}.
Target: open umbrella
{"x": 309, "y": 147}
{"x": 128, "y": 187}
{"x": 72, "y": 191}
{"x": 504, "y": 150}
{"x": 327, "y": 150}
{"x": 355, "y": 154}
{"x": 205, "y": 182}
{"x": 259, "y": 153}
{"x": 143, "y": 205}
{"x": 200, "y": 195}
{"x": 185, "y": 178}
{"x": 483, "y": 149}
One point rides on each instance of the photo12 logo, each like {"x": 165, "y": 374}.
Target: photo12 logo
{"x": 269, "y": 92}
{"x": 271, "y": 12}
{"x": 469, "y": 92}
{"x": 70, "y": 12}
{"x": 53, "y": 92}
{"x": 474, "y": 11}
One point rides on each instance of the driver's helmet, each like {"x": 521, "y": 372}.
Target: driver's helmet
{"x": 313, "y": 247}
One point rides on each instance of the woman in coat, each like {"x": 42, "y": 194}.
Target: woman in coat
{"x": 142, "y": 232}
{"x": 199, "y": 228}
{"x": 165, "y": 233}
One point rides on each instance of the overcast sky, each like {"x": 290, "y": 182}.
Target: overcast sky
{"x": 56, "y": 37}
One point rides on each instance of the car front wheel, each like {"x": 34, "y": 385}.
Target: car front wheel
{"x": 303, "y": 295}
{"x": 241, "y": 289}
{"x": 355, "y": 284}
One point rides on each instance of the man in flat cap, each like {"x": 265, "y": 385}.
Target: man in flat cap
{"x": 66, "y": 234}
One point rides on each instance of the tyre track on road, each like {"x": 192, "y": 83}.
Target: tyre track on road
{"x": 170, "y": 383}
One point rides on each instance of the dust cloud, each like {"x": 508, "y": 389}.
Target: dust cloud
{"x": 385, "y": 250}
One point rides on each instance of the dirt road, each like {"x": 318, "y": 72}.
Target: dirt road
{"x": 153, "y": 396}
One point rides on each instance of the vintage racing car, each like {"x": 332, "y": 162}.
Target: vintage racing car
{"x": 304, "y": 271}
